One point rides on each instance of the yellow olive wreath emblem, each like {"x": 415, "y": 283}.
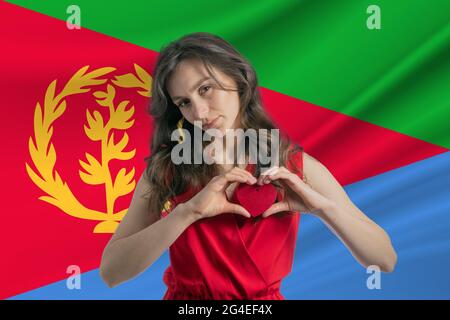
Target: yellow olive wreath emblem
{"x": 43, "y": 154}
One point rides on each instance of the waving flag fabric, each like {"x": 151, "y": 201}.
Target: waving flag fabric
{"x": 371, "y": 104}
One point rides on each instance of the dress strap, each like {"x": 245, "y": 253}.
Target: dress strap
{"x": 301, "y": 162}
{"x": 295, "y": 161}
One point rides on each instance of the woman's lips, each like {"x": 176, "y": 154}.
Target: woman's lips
{"x": 212, "y": 124}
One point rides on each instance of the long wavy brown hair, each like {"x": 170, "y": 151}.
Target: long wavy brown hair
{"x": 166, "y": 178}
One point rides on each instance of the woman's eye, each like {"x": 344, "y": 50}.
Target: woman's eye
{"x": 181, "y": 104}
{"x": 204, "y": 89}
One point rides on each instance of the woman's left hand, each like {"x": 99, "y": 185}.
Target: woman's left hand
{"x": 297, "y": 195}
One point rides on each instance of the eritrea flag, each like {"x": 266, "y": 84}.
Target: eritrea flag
{"x": 363, "y": 86}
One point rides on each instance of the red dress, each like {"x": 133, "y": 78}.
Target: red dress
{"x": 230, "y": 257}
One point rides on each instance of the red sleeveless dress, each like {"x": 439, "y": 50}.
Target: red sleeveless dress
{"x": 230, "y": 257}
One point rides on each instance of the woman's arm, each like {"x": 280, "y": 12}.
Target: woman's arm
{"x": 325, "y": 198}
{"x": 368, "y": 242}
{"x": 139, "y": 241}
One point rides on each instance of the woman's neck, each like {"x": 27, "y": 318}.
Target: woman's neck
{"x": 230, "y": 155}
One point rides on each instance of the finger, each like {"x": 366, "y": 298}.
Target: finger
{"x": 248, "y": 176}
{"x": 265, "y": 179}
{"x": 243, "y": 172}
{"x": 290, "y": 179}
{"x": 241, "y": 176}
{"x": 237, "y": 209}
{"x": 275, "y": 208}
{"x": 271, "y": 170}
{"x": 231, "y": 178}
{"x": 265, "y": 172}
{"x": 223, "y": 181}
{"x": 294, "y": 175}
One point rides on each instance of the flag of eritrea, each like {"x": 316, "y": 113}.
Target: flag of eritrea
{"x": 372, "y": 104}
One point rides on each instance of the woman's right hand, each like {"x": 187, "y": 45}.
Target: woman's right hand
{"x": 212, "y": 199}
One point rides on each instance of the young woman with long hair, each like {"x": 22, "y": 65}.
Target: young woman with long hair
{"x": 218, "y": 248}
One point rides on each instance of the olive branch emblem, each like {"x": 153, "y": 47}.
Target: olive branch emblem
{"x": 96, "y": 172}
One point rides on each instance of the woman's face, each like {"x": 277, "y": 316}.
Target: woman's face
{"x": 200, "y": 98}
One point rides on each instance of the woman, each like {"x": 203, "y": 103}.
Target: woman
{"x": 217, "y": 249}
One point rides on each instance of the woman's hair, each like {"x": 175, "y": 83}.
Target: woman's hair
{"x": 166, "y": 178}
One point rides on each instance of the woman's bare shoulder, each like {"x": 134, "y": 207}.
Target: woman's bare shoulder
{"x": 313, "y": 169}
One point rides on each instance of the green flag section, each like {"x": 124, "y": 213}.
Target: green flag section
{"x": 322, "y": 51}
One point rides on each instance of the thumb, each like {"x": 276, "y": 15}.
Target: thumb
{"x": 275, "y": 208}
{"x": 235, "y": 208}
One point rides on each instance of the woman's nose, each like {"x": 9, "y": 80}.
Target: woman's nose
{"x": 200, "y": 110}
